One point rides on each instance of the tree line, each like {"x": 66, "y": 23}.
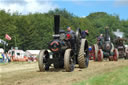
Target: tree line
{"x": 34, "y": 31}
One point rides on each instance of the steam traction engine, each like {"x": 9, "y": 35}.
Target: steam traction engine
{"x": 105, "y": 49}
{"x": 119, "y": 44}
{"x": 63, "y": 52}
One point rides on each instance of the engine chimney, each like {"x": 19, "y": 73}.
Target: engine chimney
{"x": 56, "y": 24}
{"x": 107, "y": 36}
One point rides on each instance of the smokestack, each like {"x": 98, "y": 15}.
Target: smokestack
{"x": 107, "y": 36}
{"x": 56, "y": 23}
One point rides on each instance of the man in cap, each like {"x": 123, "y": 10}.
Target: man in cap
{"x": 72, "y": 36}
{"x": 71, "y": 32}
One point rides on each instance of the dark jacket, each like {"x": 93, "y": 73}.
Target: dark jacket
{"x": 84, "y": 34}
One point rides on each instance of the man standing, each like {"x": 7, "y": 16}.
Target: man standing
{"x": 100, "y": 40}
{"x": 71, "y": 32}
{"x": 72, "y": 37}
{"x": 100, "y": 37}
{"x": 84, "y": 33}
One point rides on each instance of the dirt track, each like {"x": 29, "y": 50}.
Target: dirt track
{"x": 28, "y": 73}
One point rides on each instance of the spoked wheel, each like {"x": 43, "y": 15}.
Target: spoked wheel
{"x": 116, "y": 55}
{"x": 42, "y": 60}
{"x": 95, "y": 51}
{"x": 100, "y": 55}
{"x": 69, "y": 62}
{"x": 83, "y": 57}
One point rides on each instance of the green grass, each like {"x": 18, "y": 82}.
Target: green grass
{"x": 116, "y": 77}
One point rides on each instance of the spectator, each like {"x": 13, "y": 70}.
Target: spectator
{"x": 4, "y": 58}
{"x": 8, "y": 57}
{"x": 1, "y": 58}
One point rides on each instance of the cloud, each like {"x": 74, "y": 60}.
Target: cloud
{"x": 27, "y": 6}
{"x": 83, "y": 16}
{"x": 121, "y": 2}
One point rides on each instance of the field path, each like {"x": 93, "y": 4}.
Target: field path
{"x": 28, "y": 73}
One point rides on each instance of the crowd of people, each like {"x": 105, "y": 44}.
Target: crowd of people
{"x": 4, "y": 58}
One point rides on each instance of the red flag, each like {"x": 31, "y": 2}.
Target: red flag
{"x": 7, "y": 37}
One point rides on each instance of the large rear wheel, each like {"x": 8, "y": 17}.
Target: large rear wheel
{"x": 83, "y": 57}
{"x": 69, "y": 61}
{"x": 42, "y": 60}
{"x": 95, "y": 51}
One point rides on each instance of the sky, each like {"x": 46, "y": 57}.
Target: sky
{"x": 81, "y": 8}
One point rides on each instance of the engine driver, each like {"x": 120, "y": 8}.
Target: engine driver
{"x": 100, "y": 40}
{"x": 72, "y": 36}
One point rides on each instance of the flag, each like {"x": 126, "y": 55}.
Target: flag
{"x": 7, "y": 37}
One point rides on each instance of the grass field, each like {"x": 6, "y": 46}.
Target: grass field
{"x": 116, "y": 77}
{"x": 98, "y": 73}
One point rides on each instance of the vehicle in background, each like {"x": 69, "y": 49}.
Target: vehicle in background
{"x": 122, "y": 48}
{"x": 104, "y": 49}
{"x": 17, "y": 55}
{"x": 119, "y": 43}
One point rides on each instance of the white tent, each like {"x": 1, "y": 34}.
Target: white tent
{"x": 32, "y": 52}
{"x": 118, "y": 33}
